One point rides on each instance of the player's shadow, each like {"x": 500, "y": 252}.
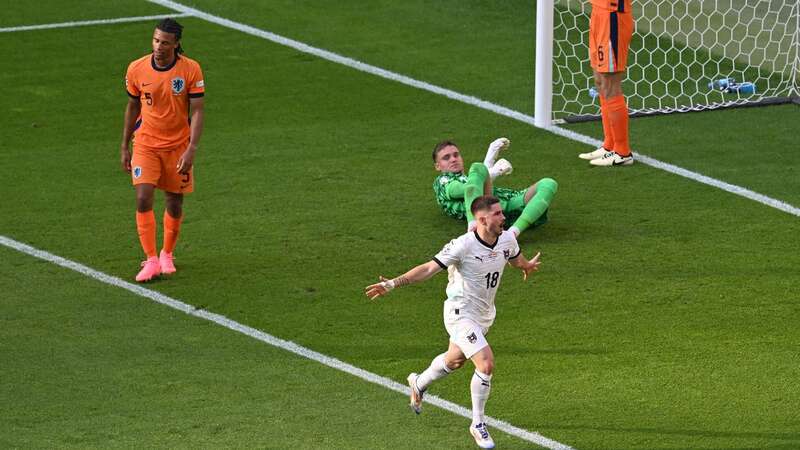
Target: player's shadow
{"x": 522, "y": 350}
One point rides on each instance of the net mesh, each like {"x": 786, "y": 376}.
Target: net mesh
{"x": 679, "y": 49}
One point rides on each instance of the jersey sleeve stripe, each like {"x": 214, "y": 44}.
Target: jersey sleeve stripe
{"x": 439, "y": 263}
{"x": 131, "y": 95}
{"x": 518, "y": 253}
{"x": 196, "y": 95}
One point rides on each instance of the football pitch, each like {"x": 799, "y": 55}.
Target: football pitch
{"x": 666, "y": 314}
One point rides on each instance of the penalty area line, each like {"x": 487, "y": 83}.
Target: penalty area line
{"x": 84, "y": 23}
{"x": 290, "y": 346}
{"x": 471, "y": 100}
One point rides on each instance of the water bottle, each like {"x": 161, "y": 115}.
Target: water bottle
{"x": 742, "y": 88}
{"x": 722, "y": 84}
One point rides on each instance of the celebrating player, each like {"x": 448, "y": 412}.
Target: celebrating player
{"x": 163, "y": 87}
{"x": 454, "y": 189}
{"x": 610, "y": 31}
{"x": 475, "y": 262}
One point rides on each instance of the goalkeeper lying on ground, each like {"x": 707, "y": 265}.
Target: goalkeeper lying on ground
{"x": 455, "y": 191}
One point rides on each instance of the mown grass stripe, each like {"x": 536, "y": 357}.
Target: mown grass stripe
{"x": 474, "y": 101}
{"x": 274, "y": 341}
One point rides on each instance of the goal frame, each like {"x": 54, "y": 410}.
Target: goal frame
{"x": 545, "y": 65}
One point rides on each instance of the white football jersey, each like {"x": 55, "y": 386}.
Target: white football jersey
{"x": 474, "y": 271}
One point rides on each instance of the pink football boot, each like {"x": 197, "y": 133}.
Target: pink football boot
{"x": 150, "y": 268}
{"x": 167, "y": 265}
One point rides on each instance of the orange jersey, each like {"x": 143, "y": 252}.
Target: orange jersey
{"x": 623, "y": 6}
{"x": 164, "y": 93}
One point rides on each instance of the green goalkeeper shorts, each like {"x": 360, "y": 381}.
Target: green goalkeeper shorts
{"x": 512, "y": 202}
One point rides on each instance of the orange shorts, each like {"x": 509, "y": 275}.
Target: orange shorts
{"x": 160, "y": 167}
{"x": 609, "y": 38}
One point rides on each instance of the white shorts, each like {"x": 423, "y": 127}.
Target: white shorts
{"x": 467, "y": 335}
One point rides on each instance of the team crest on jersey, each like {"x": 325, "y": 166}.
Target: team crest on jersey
{"x": 472, "y": 338}
{"x": 178, "y": 85}
{"x": 137, "y": 172}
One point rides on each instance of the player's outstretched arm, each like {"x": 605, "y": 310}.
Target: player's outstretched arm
{"x": 420, "y": 273}
{"x": 525, "y": 265}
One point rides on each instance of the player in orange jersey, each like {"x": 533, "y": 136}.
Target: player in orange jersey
{"x": 165, "y": 90}
{"x": 610, "y": 31}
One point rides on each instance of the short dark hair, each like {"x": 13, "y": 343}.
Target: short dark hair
{"x": 483, "y": 203}
{"x": 440, "y": 146}
{"x": 170, "y": 25}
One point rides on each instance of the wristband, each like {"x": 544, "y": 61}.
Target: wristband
{"x": 388, "y": 285}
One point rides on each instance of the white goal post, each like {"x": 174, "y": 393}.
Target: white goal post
{"x": 687, "y": 55}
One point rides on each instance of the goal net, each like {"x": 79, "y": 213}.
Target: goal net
{"x": 686, "y": 55}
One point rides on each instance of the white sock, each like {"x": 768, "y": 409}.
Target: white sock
{"x": 493, "y": 172}
{"x": 493, "y": 151}
{"x": 480, "y": 386}
{"x": 437, "y": 370}
{"x": 491, "y": 156}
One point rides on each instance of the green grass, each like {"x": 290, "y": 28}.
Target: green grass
{"x": 105, "y": 369}
{"x": 664, "y": 316}
{"x": 748, "y": 147}
{"x": 74, "y": 11}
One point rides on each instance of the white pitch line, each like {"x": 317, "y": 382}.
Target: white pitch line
{"x": 474, "y": 101}
{"x": 157, "y": 297}
{"x": 290, "y": 346}
{"x": 84, "y": 23}
{"x": 698, "y": 177}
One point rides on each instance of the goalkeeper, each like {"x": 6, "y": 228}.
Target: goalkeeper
{"x": 456, "y": 190}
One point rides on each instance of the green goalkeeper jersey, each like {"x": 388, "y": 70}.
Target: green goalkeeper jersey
{"x": 449, "y": 190}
